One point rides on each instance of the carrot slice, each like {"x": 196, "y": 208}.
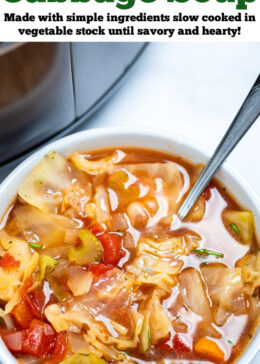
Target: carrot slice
{"x": 209, "y": 348}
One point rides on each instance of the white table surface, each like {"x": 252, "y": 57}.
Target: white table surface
{"x": 192, "y": 89}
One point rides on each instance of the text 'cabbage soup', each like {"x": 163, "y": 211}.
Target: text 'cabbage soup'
{"x": 96, "y": 267}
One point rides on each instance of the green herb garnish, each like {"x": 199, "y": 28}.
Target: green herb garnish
{"x": 56, "y": 262}
{"x": 36, "y": 246}
{"x": 148, "y": 340}
{"x": 235, "y": 228}
{"x": 228, "y": 340}
{"x": 203, "y": 251}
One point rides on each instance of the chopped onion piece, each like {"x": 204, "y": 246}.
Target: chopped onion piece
{"x": 102, "y": 205}
{"x": 80, "y": 282}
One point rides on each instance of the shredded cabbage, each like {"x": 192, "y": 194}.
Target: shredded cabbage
{"x": 82, "y": 358}
{"x": 156, "y": 263}
{"x": 42, "y": 188}
{"x": 95, "y": 167}
{"x": 145, "y": 332}
{"x": 225, "y": 287}
{"x": 40, "y": 227}
{"x": 193, "y": 292}
{"x": 54, "y": 184}
{"x": 29, "y": 269}
{"x": 160, "y": 323}
{"x": 250, "y": 268}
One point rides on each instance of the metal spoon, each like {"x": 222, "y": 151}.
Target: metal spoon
{"x": 246, "y": 116}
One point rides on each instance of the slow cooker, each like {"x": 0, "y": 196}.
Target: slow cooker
{"x": 48, "y": 89}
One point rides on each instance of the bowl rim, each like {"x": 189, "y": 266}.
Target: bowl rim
{"x": 252, "y": 348}
{"x": 144, "y": 131}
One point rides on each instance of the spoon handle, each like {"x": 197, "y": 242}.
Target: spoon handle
{"x": 246, "y": 116}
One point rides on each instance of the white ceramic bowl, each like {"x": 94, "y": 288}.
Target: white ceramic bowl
{"x": 165, "y": 141}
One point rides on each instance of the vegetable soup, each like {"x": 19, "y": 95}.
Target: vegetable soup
{"x": 96, "y": 266}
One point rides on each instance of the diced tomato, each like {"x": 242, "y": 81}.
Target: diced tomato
{"x": 39, "y": 339}
{"x": 206, "y": 193}
{"x": 31, "y": 306}
{"x": 175, "y": 345}
{"x": 165, "y": 347}
{"x": 22, "y": 314}
{"x": 37, "y": 302}
{"x": 96, "y": 228}
{"x": 13, "y": 339}
{"x": 60, "y": 348}
{"x": 179, "y": 347}
{"x": 112, "y": 244}
{"x": 86, "y": 220}
{"x": 122, "y": 253}
{"x": 99, "y": 269}
{"x": 8, "y": 262}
